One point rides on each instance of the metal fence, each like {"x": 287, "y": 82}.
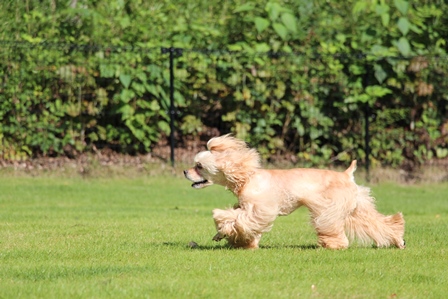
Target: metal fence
{"x": 87, "y": 76}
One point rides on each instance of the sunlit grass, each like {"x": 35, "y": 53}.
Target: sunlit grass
{"x": 63, "y": 237}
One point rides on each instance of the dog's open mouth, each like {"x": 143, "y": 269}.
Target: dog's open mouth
{"x": 200, "y": 184}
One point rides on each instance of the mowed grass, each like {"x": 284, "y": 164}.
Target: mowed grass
{"x": 63, "y": 237}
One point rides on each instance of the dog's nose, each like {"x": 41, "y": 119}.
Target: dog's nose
{"x": 185, "y": 172}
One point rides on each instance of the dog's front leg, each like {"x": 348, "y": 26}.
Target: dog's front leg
{"x": 218, "y": 237}
{"x": 220, "y": 226}
{"x": 224, "y": 222}
{"x": 239, "y": 227}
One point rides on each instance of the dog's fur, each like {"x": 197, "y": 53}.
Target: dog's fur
{"x": 340, "y": 210}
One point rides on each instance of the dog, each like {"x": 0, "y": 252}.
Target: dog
{"x": 340, "y": 210}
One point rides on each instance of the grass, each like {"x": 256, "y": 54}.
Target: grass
{"x": 69, "y": 237}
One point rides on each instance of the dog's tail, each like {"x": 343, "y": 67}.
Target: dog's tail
{"x": 351, "y": 170}
{"x": 365, "y": 223}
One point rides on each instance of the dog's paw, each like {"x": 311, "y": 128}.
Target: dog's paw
{"x": 218, "y": 237}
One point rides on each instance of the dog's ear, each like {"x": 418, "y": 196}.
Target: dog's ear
{"x": 225, "y": 142}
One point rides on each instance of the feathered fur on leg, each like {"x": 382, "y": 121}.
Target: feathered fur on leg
{"x": 241, "y": 227}
{"x": 365, "y": 223}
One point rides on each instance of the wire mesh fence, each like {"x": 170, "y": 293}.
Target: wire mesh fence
{"x": 64, "y": 99}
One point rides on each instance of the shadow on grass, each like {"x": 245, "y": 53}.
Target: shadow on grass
{"x": 194, "y": 246}
{"x": 300, "y": 247}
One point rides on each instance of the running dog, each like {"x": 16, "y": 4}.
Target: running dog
{"x": 340, "y": 209}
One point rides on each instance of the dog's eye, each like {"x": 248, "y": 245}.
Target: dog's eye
{"x": 199, "y": 166}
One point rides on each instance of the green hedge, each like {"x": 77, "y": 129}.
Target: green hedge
{"x": 291, "y": 77}
{"x": 64, "y": 99}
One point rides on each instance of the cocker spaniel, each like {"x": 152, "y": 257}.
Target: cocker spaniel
{"x": 340, "y": 209}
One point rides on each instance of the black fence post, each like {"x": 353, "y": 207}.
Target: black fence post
{"x": 367, "y": 140}
{"x": 367, "y": 125}
{"x": 172, "y": 110}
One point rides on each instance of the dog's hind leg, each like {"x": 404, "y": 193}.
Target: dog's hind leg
{"x": 328, "y": 218}
{"x": 331, "y": 235}
{"x": 366, "y": 223}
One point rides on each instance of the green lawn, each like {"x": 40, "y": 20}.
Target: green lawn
{"x": 63, "y": 237}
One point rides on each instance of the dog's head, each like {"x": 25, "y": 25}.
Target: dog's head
{"x": 204, "y": 173}
{"x": 228, "y": 162}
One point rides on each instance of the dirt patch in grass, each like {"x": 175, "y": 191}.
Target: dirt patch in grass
{"x": 108, "y": 163}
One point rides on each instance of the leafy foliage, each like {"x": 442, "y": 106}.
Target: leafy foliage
{"x": 291, "y": 77}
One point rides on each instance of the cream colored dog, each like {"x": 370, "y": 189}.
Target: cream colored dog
{"x": 338, "y": 207}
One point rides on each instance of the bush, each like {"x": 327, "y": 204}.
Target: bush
{"x": 289, "y": 77}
